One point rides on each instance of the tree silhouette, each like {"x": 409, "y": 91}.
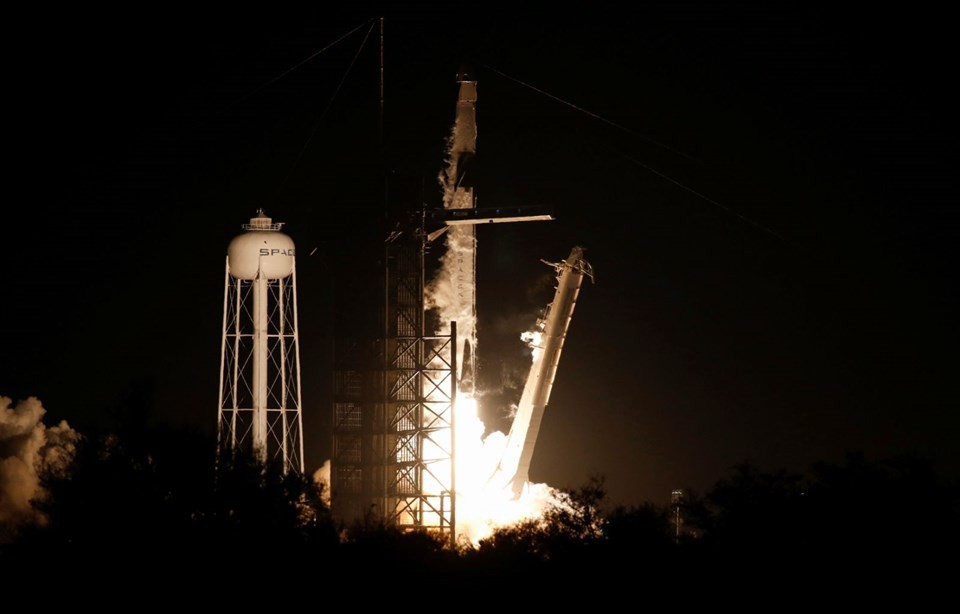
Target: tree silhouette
{"x": 891, "y": 518}
{"x": 163, "y": 495}
{"x": 137, "y": 500}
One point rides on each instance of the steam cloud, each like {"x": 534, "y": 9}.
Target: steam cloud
{"x": 449, "y": 293}
{"x": 322, "y": 477}
{"x": 28, "y": 451}
{"x": 452, "y": 291}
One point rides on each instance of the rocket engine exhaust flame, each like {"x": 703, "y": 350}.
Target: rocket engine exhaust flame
{"x": 492, "y": 472}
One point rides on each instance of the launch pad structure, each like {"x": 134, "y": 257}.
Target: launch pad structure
{"x": 393, "y": 401}
{"x": 394, "y": 397}
{"x": 396, "y": 384}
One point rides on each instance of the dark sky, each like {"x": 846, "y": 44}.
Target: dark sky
{"x": 767, "y": 196}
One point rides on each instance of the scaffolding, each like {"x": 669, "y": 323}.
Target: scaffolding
{"x": 394, "y": 401}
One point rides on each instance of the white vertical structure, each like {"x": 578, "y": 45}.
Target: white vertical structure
{"x": 547, "y": 343}
{"x": 260, "y": 353}
{"x": 460, "y": 258}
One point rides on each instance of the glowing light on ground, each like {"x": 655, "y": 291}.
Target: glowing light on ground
{"x": 482, "y": 507}
{"x": 482, "y": 504}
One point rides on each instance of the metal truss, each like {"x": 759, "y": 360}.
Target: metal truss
{"x": 273, "y": 432}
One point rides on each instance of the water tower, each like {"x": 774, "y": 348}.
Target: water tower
{"x": 260, "y": 354}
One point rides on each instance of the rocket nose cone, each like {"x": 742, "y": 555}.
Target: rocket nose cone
{"x": 465, "y": 73}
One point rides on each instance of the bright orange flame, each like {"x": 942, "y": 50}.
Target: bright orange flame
{"x": 481, "y": 506}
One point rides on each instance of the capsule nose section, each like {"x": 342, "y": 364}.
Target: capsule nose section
{"x": 465, "y": 73}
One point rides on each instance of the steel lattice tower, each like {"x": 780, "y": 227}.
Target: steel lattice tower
{"x": 394, "y": 404}
{"x": 420, "y": 388}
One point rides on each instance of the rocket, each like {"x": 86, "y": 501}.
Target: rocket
{"x": 513, "y": 468}
{"x": 464, "y": 144}
{"x": 458, "y": 195}
{"x": 460, "y": 216}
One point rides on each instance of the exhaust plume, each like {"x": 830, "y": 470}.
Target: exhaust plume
{"x": 29, "y": 450}
{"x": 322, "y": 478}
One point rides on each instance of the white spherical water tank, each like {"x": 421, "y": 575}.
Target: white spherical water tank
{"x": 261, "y": 248}
{"x": 259, "y": 399}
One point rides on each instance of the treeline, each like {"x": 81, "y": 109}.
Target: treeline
{"x": 161, "y": 499}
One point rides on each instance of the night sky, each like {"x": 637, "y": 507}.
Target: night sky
{"x": 767, "y": 196}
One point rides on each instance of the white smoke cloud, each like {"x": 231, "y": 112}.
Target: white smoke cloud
{"x": 28, "y": 451}
{"x": 322, "y": 477}
{"x": 452, "y": 292}
{"x": 447, "y": 176}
